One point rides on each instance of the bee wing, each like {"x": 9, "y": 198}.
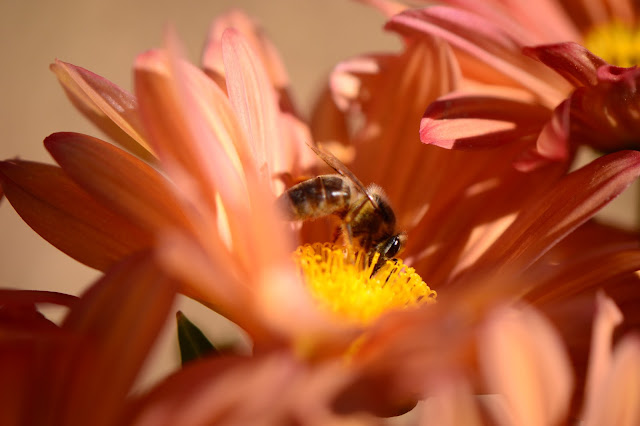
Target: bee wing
{"x": 342, "y": 170}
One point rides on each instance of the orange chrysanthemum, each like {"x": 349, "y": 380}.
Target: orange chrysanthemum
{"x": 220, "y": 144}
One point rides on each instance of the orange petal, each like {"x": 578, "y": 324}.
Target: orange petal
{"x": 112, "y": 109}
{"x": 114, "y": 347}
{"x": 193, "y": 130}
{"x": 121, "y": 181}
{"x": 575, "y": 198}
{"x": 212, "y": 61}
{"x": 66, "y": 216}
{"x": 253, "y": 100}
{"x": 524, "y": 361}
{"x": 382, "y": 84}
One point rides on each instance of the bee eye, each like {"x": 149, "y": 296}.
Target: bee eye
{"x": 394, "y": 246}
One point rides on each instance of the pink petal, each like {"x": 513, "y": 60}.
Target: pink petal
{"x": 112, "y": 109}
{"x": 484, "y": 40}
{"x": 66, "y": 216}
{"x": 572, "y": 61}
{"x": 545, "y": 23}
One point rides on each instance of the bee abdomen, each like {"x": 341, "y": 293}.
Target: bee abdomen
{"x": 317, "y": 197}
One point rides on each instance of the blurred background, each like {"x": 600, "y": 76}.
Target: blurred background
{"x": 105, "y": 37}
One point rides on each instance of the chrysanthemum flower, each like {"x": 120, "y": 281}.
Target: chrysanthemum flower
{"x": 489, "y": 39}
{"x": 222, "y": 156}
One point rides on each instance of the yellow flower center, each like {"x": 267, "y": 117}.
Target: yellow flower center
{"x": 616, "y": 43}
{"x": 342, "y": 281}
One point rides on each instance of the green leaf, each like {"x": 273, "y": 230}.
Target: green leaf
{"x": 193, "y": 343}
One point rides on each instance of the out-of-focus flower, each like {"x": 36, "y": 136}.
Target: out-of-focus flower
{"x": 489, "y": 39}
{"x": 224, "y": 154}
{"x": 82, "y": 372}
{"x": 529, "y": 380}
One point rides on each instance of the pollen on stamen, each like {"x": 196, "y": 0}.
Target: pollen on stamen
{"x": 616, "y": 43}
{"x": 342, "y": 281}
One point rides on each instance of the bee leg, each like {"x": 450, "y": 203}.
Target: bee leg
{"x": 348, "y": 232}
{"x": 380, "y": 263}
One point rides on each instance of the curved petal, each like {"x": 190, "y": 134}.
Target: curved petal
{"x": 119, "y": 180}
{"x": 485, "y": 40}
{"x": 573, "y": 62}
{"x": 570, "y": 203}
{"x": 112, "y": 109}
{"x": 476, "y": 122}
{"x": 66, "y": 216}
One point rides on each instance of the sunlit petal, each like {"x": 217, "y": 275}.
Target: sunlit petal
{"x": 66, "y": 216}
{"x": 570, "y": 203}
{"x": 111, "y": 108}
{"x": 126, "y": 184}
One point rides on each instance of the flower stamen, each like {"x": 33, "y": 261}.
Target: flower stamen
{"x": 343, "y": 281}
{"x": 616, "y": 43}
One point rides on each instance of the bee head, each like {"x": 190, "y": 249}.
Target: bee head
{"x": 391, "y": 246}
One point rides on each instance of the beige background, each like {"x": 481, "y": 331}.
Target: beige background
{"x": 105, "y": 36}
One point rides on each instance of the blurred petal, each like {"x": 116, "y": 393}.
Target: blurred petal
{"x": 523, "y": 359}
{"x": 112, "y": 109}
{"x": 484, "y": 40}
{"x": 452, "y": 404}
{"x": 570, "y": 203}
{"x": 239, "y": 391}
{"x": 617, "y": 402}
{"x": 109, "y": 361}
{"x": 608, "y": 316}
{"x": 63, "y": 214}
{"x": 118, "y": 179}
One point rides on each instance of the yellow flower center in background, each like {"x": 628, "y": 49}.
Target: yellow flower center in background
{"x": 616, "y": 43}
{"x": 341, "y": 281}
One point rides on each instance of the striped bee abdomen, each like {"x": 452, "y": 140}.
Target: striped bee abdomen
{"x": 317, "y": 197}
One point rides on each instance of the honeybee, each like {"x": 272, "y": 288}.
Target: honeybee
{"x": 368, "y": 222}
